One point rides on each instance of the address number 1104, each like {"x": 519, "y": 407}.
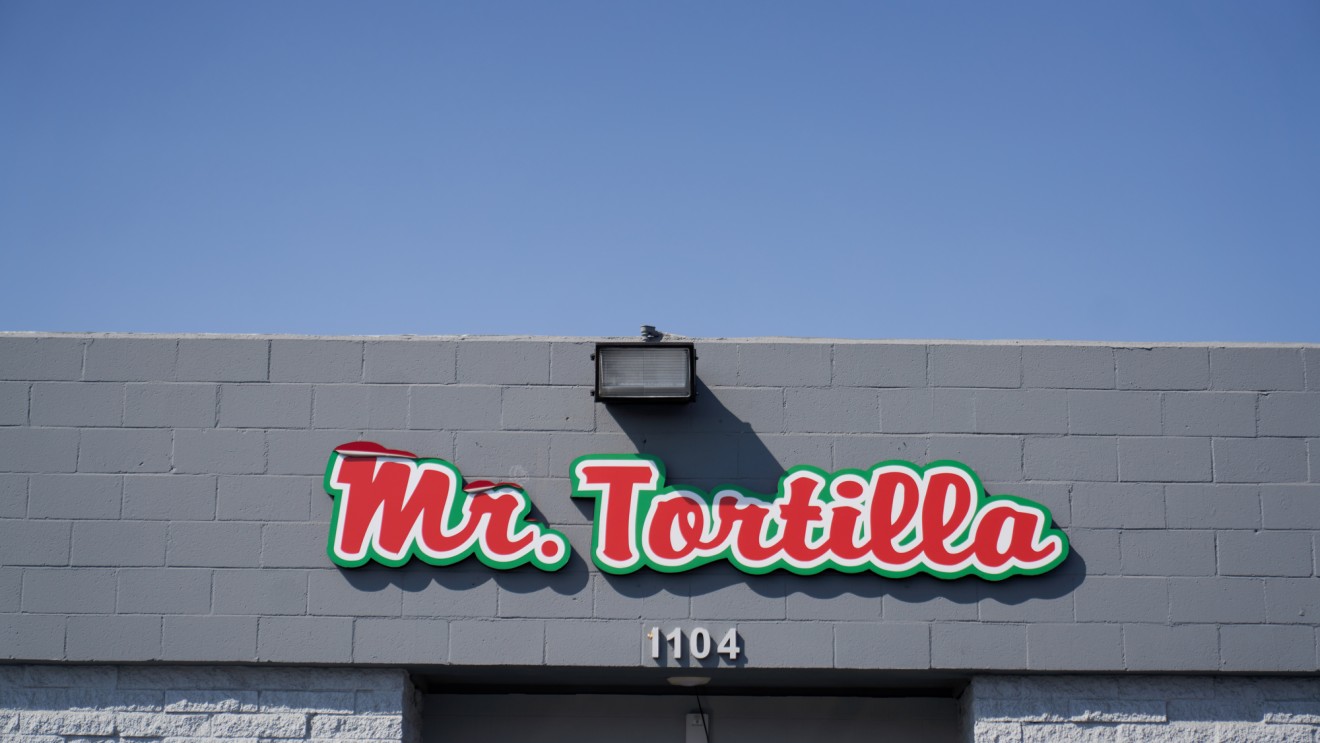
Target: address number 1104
{"x": 699, "y": 642}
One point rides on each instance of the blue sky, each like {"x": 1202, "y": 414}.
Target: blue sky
{"x": 1128, "y": 171}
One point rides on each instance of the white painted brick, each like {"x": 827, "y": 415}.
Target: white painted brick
{"x": 33, "y": 739}
{"x": 210, "y": 740}
{"x": 1069, "y": 733}
{"x": 228, "y": 725}
{"x": 336, "y": 702}
{"x": 1299, "y": 713}
{"x": 210, "y": 700}
{"x": 8, "y": 722}
{"x": 1166, "y": 687}
{"x": 998, "y": 732}
{"x": 379, "y": 703}
{"x": 66, "y": 723}
{"x": 1187, "y": 732}
{"x": 1117, "y": 710}
{"x": 357, "y": 728}
{"x": 1022, "y": 710}
{"x": 139, "y": 724}
{"x": 1245, "y": 731}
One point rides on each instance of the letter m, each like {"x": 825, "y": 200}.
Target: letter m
{"x": 385, "y": 507}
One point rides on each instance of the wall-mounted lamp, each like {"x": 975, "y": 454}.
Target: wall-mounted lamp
{"x": 645, "y": 372}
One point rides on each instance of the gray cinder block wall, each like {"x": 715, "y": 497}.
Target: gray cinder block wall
{"x": 160, "y": 500}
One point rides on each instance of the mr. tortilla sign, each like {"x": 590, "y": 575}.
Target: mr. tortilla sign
{"x": 894, "y": 519}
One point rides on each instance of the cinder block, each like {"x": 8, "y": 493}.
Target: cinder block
{"x": 267, "y": 497}
{"x": 720, "y": 595}
{"x": 768, "y": 456}
{"x": 130, "y": 359}
{"x": 882, "y": 645}
{"x": 1210, "y": 413}
{"x": 69, "y": 591}
{"x": 1160, "y": 647}
{"x": 722, "y": 409}
{"x": 503, "y": 362}
{"x": 538, "y": 595}
{"x": 928, "y": 411}
{"x": 75, "y": 496}
{"x": 879, "y": 365}
{"x": 502, "y": 642}
{"x": 163, "y": 591}
{"x": 1164, "y": 459}
{"x": 294, "y": 545}
{"x": 260, "y": 592}
{"x": 608, "y": 644}
{"x": 304, "y": 452}
{"x": 1070, "y": 458}
{"x": 1055, "y": 496}
{"x": 547, "y": 409}
{"x": 31, "y": 637}
{"x": 223, "y": 360}
{"x": 401, "y": 641}
{"x": 428, "y": 592}
{"x": 1075, "y": 647}
{"x": 1068, "y": 367}
{"x": 363, "y": 592}
{"x": 502, "y": 454}
{"x": 357, "y": 406}
{"x": 783, "y": 364}
{"x": 210, "y": 639}
{"x": 1221, "y": 600}
{"x": 1290, "y": 507}
{"x": 831, "y": 410}
{"x": 1122, "y": 599}
{"x": 77, "y": 404}
{"x": 413, "y": 361}
{"x": 863, "y": 450}
{"x": 1021, "y": 411}
{"x": 1267, "y": 648}
{"x": 1256, "y": 369}
{"x": 1198, "y": 506}
{"x": 11, "y": 589}
{"x": 1260, "y": 460}
{"x": 1311, "y": 360}
{"x": 925, "y": 599}
{"x": 993, "y": 458}
{"x": 978, "y": 645}
{"x": 717, "y": 363}
{"x": 13, "y": 496}
{"x": 305, "y": 360}
{"x": 1162, "y": 368}
{"x": 170, "y": 405}
{"x": 14, "y": 403}
{"x": 1113, "y": 412}
{"x": 124, "y": 450}
{"x": 25, "y": 449}
{"x": 571, "y": 363}
{"x": 1044, "y": 600}
{"x": 305, "y": 639}
{"x": 1265, "y": 553}
{"x": 169, "y": 497}
{"x": 29, "y": 358}
{"x": 29, "y": 542}
{"x": 1168, "y": 552}
{"x": 118, "y": 543}
{"x": 1126, "y": 505}
{"x": 1097, "y": 550}
{"x": 1292, "y": 600}
{"x": 974, "y": 366}
{"x": 220, "y": 452}
{"x": 265, "y": 405}
{"x": 213, "y": 544}
{"x": 1290, "y": 414}
{"x": 454, "y": 407}
{"x": 786, "y": 644}
{"x": 113, "y": 638}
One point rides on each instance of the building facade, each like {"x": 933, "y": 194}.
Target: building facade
{"x": 166, "y": 537}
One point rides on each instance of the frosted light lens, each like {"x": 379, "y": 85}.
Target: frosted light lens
{"x": 644, "y": 372}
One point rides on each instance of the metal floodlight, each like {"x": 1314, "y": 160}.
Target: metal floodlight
{"x": 645, "y": 372}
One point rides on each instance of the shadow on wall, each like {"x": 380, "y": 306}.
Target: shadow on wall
{"x": 700, "y": 443}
